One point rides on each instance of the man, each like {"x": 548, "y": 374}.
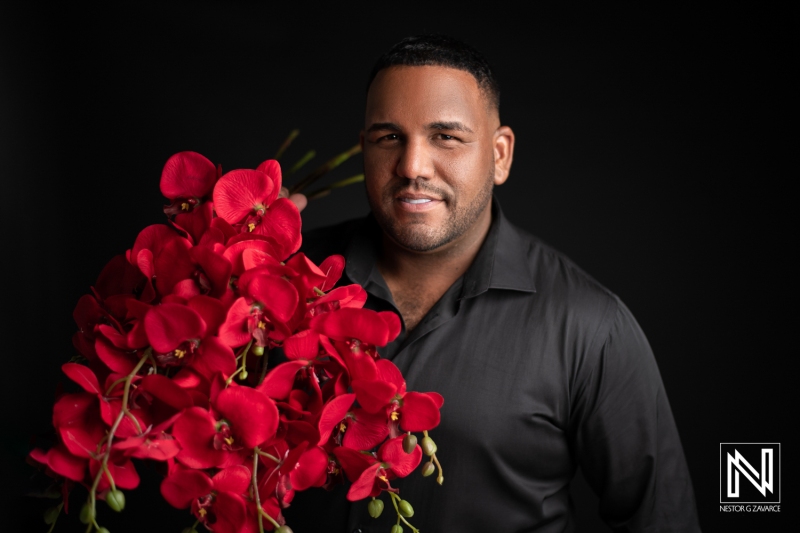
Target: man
{"x": 542, "y": 369}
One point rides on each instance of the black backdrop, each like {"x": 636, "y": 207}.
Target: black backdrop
{"x": 652, "y": 148}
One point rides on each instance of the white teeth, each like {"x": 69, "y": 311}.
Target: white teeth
{"x": 416, "y": 201}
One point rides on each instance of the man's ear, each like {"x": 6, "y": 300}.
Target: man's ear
{"x": 503, "y": 153}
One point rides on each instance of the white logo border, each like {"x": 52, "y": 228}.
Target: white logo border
{"x": 780, "y": 477}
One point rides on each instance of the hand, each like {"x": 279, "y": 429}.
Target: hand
{"x": 298, "y": 199}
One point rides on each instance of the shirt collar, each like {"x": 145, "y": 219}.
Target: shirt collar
{"x": 501, "y": 263}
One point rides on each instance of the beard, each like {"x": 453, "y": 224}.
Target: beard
{"x": 419, "y": 235}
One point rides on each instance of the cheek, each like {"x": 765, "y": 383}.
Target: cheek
{"x": 378, "y": 171}
{"x": 467, "y": 175}
{"x": 377, "y": 165}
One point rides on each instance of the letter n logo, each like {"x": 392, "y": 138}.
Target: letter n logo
{"x": 749, "y": 472}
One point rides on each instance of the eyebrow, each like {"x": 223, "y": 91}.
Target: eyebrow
{"x": 454, "y": 126}
{"x": 383, "y": 126}
{"x": 391, "y": 126}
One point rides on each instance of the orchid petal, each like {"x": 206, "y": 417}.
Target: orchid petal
{"x": 183, "y": 486}
{"x": 187, "y": 174}
{"x": 364, "y": 485}
{"x": 239, "y": 192}
{"x": 253, "y": 416}
{"x": 419, "y": 412}
{"x": 168, "y": 325}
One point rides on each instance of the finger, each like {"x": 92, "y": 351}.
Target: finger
{"x": 299, "y": 200}
{"x": 284, "y": 193}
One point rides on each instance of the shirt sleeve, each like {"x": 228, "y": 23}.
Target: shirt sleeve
{"x": 625, "y": 438}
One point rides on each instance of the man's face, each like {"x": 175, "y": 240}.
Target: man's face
{"x": 429, "y": 155}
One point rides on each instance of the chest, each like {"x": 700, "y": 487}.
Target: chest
{"x": 505, "y": 380}
{"x": 414, "y": 300}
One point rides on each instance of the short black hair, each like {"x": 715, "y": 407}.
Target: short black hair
{"x": 443, "y": 51}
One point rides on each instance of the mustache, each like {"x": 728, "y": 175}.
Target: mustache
{"x": 417, "y": 186}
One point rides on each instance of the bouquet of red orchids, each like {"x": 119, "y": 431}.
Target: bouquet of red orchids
{"x": 175, "y": 341}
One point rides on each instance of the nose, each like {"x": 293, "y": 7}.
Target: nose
{"x": 416, "y": 160}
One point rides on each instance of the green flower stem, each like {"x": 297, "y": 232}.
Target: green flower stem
{"x": 324, "y": 169}
{"x": 53, "y": 525}
{"x": 154, "y": 366}
{"x": 110, "y": 479}
{"x": 242, "y": 368}
{"x": 439, "y": 468}
{"x": 294, "y": 133}
{"x": 135, "y": 422}
{"x": 264, "y": 364}
{"x": 395, "y": 499}
{"x": 318, "y": 292}
{"x": 325, "y": 191}
{"x": 275, "y": 524}
{"x": 268, "y": 456}
{"x": 110, "y": 438}
{"x": 254, "y": 483}
{"x": 111, "y": 387}
{"x": 302, "y": 161}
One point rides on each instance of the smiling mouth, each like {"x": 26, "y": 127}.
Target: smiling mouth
{"x": 415, "y": 200}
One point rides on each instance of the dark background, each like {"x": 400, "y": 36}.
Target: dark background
{"x": 653, "y": 148}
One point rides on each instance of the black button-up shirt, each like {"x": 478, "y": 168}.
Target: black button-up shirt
{"x": 542, "y": 370}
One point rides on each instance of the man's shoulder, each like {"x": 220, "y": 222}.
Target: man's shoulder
{"x": 563, "y": 284}
{"x": 322, "y": 242}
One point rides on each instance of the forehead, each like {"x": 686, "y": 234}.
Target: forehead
{"x": 409, "y": 95}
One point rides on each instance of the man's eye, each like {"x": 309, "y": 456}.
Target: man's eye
{"x": 445, "y": 137}
{"x": 390, "y": 137}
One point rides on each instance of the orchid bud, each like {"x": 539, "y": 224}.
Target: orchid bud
{"x": 375, "y": 508}
{"x": 440, "y": 480}
{"x": 87, "y": 513}
{"x": 397, "y": 529}
{"x": 257, "y": 350}
{"x": 405, "y": 509}
{"x": 116, "y": 500}
{"x": 428, "y": 469}
{"x": 243, "y": 375}
{"x": 51, "y": 515}
{"x": 103, "y": 530}
{"x": 284, "y": 529}
{"x": 409, "y": 443}
{"x": 428, "y": 446}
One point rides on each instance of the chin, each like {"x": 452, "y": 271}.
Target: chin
{"x": 418, "y": 238}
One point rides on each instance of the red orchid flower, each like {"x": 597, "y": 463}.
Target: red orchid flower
{"x": 409, "y": 411}
{"x": 241, "y": 418}
{"x": 357, "y": 331}
{"x": 174, "y": 331}
{"x": 391, "y": 462}
{"x": 251, "y": 253}
{"x": 342, "y": 425}
{"x": 248, "y": 200}
{"x": 297, "y": 469}
{"x": 60, "y": 462}
{"x": 188, "y": 270}
{"x": 267, "y": 304}
{"x": 187, "y": 180}
{"x": 218, "y": 502}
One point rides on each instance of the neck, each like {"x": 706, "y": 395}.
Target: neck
{"x": 418, "y": 279}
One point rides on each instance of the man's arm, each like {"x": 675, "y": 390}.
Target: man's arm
{"x": 625, "y": 436}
